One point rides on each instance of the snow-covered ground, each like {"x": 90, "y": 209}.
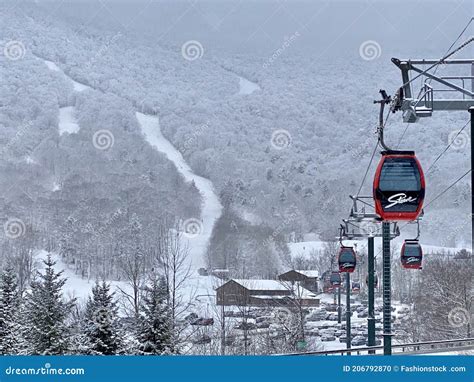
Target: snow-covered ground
{"x": 78, "y": 87}
{"x": 211, "y": 207}
{"x": 67, "y": 120}
{"x": 247, "y": 87}
{"x": 76, "y": 286}
{"x": 199, "y": 290}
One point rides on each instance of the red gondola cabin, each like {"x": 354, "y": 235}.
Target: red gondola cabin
{"x": 399, "y": 186}
{"x": 411, "y": 255}
{"x": 347, "y": 259}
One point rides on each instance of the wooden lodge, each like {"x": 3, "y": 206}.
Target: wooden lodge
{"x": 308, "y": 278}
{"x": 264, "y": 293}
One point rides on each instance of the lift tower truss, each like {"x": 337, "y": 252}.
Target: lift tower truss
{"x": 438, "y": 92}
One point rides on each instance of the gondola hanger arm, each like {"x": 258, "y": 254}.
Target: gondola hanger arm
{"x": 386, "y": 99}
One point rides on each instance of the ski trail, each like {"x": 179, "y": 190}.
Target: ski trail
{"x": 78, "y": 87}
{"x": 247, "y": 87}
{"x": 76, "y": 285}
{"x": 211, "y": 207}
{"x": 67, "y": 120}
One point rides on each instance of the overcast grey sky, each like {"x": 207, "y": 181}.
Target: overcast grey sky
{"x": 254, "y": 26}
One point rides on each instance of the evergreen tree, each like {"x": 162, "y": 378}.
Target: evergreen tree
{"x": 9, "y": 307}
{"x": 46, "y": 312}
{"x": 101, "y": 321}
{"x": 154, "y": 334}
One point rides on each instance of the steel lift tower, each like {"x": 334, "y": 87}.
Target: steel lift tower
{"x": 438, "y": 93}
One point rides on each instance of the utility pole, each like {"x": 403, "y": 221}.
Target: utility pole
{"x": 348, "y": 311}
{"x": 371, "y": 292}
{"x": 387, "y": 300}
{"x": 339, "y": 307}
{"x": 471, "y": 111}
{"x": 223, "y": 330}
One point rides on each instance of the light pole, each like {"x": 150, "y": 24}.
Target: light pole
{"x": 370, "y": 294}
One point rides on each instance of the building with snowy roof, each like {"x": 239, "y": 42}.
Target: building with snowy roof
{"x": 307, "y": 278}
{"x": 268, "y": 293}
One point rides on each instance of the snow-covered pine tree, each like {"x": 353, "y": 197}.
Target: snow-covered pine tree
{"x": 9, "y": 307}
{"x": 154, "y": 333}
{"x": 46, "y": 313}
{"x": 101, "y": 325}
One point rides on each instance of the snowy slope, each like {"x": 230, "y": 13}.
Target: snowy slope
{"x": 75, "y": 286}
{"x": 247, "y": 87}
{"x": 211, "y": 206}
{"x": 78, "y": 87}
{"x": 67, "y": 121}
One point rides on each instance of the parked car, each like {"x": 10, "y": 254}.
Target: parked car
{"x": 328, "y": 331}
{"x": 317, "y": 315}
{"x": 327, "y": 338}
{"x": 263, "y": 325}
{"x": 331, "y": 307}
{"x": 359, "y": 341}
{"x": 203, "y": 321}
{"x": 246, "y": 326}
{"x": 312, "y": 332}
{"x": 339, "y": 333}
{"x": 363, "y": 314}
{"x": 263, "y": 319}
